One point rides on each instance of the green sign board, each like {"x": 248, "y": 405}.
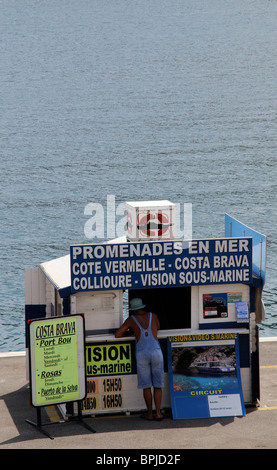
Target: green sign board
{"x": 57, "y": 360}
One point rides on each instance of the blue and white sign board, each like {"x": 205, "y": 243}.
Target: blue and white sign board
{"x": 204, "y": 376}
{"x": 160, "y": 264}
{"x": 234, "y": 228}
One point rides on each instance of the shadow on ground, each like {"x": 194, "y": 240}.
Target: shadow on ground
{"x": 17, "y": 403}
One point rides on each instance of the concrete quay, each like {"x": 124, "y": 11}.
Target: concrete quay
{"x": 256, "y": 430}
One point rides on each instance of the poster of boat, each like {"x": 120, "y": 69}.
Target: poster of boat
{"x": 204, "y": 378}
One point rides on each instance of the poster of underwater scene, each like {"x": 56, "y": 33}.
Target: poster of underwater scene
{"x": 205, "y": 380}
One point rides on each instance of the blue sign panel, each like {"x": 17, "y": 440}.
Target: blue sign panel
{"x": 160, "y": 264}
{"x": 234, "y": 228}
{"x": 204, "y": 376}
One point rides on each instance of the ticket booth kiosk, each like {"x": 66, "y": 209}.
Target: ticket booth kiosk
{"x": 194, "y": 286}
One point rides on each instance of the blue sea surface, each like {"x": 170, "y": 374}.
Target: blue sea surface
{"x": 142, "y": 100}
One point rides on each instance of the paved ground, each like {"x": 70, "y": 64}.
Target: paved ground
{"x": 256, "y": 430}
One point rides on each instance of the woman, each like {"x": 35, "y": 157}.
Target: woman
{"x": 149, "y": 357}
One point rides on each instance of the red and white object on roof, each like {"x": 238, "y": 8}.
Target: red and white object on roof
{"x": 151, "y": 220}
